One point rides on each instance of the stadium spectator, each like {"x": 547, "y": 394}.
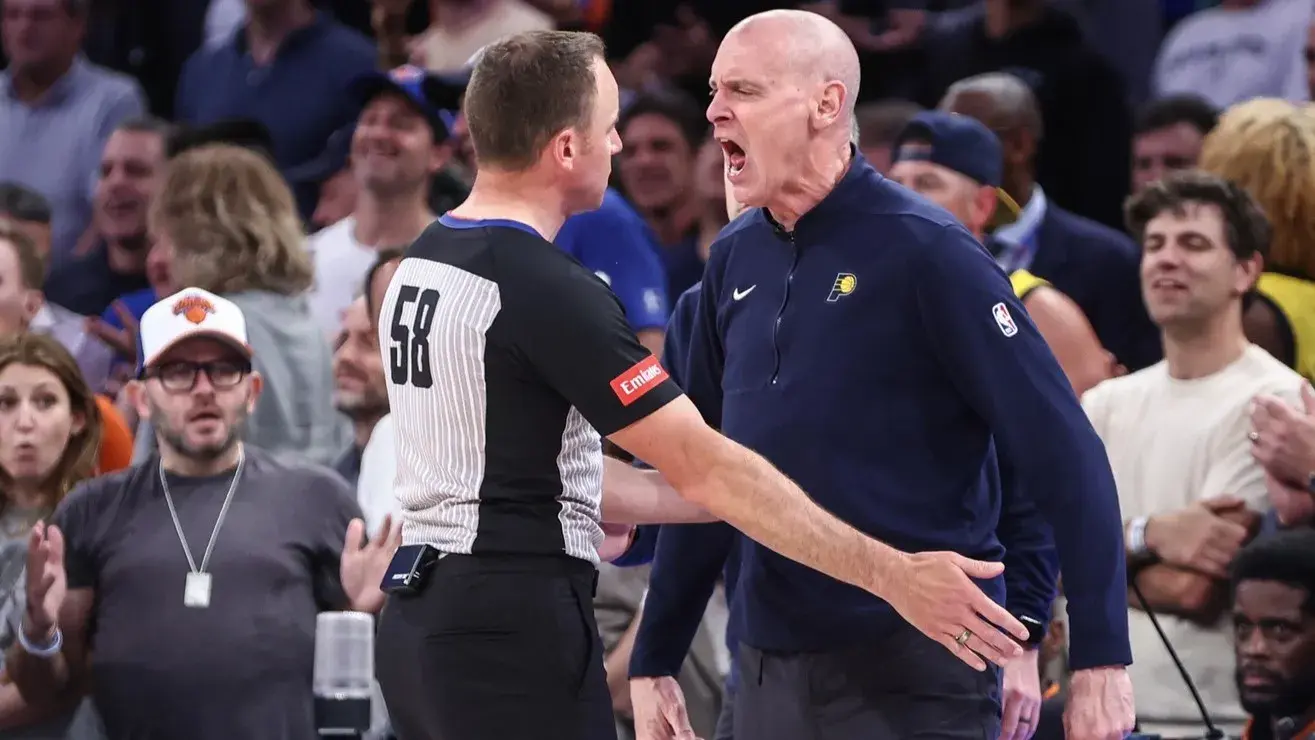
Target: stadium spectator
{"x": 459, "y": 29}
{"x": 378, "y": 467}
{"x": 225, "y": 221}
{"x": 1094, "y": 265}
{"x": 956, "y": 163}
{"x": 1240, "y": 50}
{"x": 400, "y": 142}
{"x": 25, "y": 308}
{"x": 288, "y": 67}
{"x": 878, "y": 125}
{"x": 1273, "y": 605}
{"x": 1176, "y": 434}
{"x": 1082, "y": 161}
{"x": 1167, "y": 137}
{"x": 359, "y": 390}
{"x": 56, "y": 111}
{"x": 661, "y": 134}
{"x": 1268, "y": 147}
{"x": 131, "y": 168}
{"x": 29, "y": 211}
{"x": 333, "y": 170}
{"x": 292, "y": 545}
{"x": 50, "y": 429}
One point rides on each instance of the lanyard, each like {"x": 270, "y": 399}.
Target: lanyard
{"x": 223, "y": 511}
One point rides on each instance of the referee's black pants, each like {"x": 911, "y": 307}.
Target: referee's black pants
{"x": 899, "y": 686}
{"x": 496, "y": 648}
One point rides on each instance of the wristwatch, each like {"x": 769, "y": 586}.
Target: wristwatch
{"x": 1036, "y": 632}
{"x": 1137, "y": 537}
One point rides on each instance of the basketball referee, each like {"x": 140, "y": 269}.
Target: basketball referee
{"x": 506, "y": 360}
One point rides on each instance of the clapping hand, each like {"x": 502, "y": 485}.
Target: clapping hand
{"x": 364, "y": 563}
{"x": 1283, "y": 437}
{"x": 47, "y": 582}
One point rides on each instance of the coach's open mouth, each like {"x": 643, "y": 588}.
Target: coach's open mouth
{"x": 735, "y": 157}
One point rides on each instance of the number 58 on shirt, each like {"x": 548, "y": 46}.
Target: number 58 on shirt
{"x": 409, "y": 352}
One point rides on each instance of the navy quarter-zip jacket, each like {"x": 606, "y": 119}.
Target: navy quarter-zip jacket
{"x": 874, "y": 355}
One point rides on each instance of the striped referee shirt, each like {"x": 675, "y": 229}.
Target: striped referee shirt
{"x": 506, "y": 360}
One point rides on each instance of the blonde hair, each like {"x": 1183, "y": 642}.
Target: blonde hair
{"x": 233, "y": 223}
{"x": 78, "y": 462}
{"x": 1267, "y": 146}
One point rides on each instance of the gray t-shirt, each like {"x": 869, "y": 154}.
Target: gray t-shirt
{"x": 240, "y": 668}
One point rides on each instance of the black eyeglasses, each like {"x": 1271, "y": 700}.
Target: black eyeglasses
{"x": 180, "y": 377}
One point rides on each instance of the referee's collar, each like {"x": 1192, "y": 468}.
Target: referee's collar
{"x": 846, "y": 193}
{"x": 455, "y": 222}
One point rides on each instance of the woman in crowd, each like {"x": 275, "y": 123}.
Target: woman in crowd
{"x": 1268, "y": 147}
{"x": 226, "y": 222}
{"x": 50, "y": 433}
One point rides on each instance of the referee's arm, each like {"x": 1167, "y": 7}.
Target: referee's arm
{"x": 1006, "y": 372}
{"x": 572, "y": 329}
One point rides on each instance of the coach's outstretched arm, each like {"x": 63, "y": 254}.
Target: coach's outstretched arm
{"x": 574, "y": 336}
{"x": 1004, "y": 369}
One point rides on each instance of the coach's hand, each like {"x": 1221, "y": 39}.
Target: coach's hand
{"x": 1022, "y": 699}
{"x": 932, "y": 591}
{"x": 659, "y": 707}
{"x": 1099, "y": 705}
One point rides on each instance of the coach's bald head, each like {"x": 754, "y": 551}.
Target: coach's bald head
{"x": 1007, "y": 106}
{"x": 784, "y": 85}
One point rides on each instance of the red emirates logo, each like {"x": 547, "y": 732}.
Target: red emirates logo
{"x": 632, "y": 384}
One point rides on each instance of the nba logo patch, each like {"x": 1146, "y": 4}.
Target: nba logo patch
{"x": 1003, "y": 320}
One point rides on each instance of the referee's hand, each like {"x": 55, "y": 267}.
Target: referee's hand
{"x": 934, "y": 592}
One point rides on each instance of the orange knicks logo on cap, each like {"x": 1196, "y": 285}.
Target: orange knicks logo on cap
{"x": 193, "y": 308}
{"x": 632, "y": 384}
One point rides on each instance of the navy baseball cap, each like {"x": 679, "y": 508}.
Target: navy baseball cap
{"x": 438, "y": 97}
{"x": 958, "y": 143}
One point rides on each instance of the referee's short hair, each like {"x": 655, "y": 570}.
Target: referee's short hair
{"x": 527, "y": 88}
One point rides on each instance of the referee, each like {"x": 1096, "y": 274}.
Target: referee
{"x": 506, "y": 361}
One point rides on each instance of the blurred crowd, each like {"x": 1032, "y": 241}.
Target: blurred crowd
{"x": 280, "y": 154}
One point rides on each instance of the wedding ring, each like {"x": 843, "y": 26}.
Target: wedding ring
{"x": 1253, "y": 436}
{"x": 963, "y": 637}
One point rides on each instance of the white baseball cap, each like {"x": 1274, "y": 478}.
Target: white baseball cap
{"x": 190, "y": 313}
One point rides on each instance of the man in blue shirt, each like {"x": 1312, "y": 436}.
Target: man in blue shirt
{"x": 860, "y": 338}
{"x": 616, "y": 244}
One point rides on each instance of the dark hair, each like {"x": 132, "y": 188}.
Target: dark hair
{"x": 385, "y": 256}
{"x": 527, "y": 88}
{"x": 31, "y": 265}
{"x": 673, "y": 105}
{"x": 241, "y": 132}
{"x": 1286, "y": 557}
{"x": 1245, "y": 225}
{"x": 22, "y": 203}
{"x": 147, "y": 124}
{"x": 880, "y": 122}
{"x": 1172, "y": 110}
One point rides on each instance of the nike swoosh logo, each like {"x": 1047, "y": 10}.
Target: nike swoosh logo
{"x": 738, "y": 294}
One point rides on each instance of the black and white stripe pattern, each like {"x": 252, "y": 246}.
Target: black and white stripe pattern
{"x": 442, "y": 431}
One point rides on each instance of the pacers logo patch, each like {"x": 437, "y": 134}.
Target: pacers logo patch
{"x": 1003, "y": 320}
{"x": 632, "y": 384}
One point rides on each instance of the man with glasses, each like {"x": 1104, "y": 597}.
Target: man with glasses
{"x": 203, "y": 567}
